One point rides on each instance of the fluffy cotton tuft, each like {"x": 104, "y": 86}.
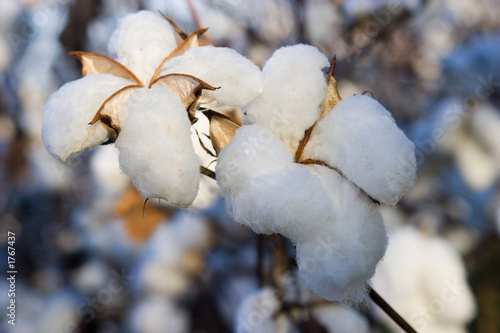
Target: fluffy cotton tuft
{"x": 420, "y": 274}
{"x": 239, "y": 80}
{"x": 294, "y": 87}
{"x": 341, "y": 254}
{"x": 156, "y": 148}
{"x": 339, "y": 235}
{"x": 141, "y": 41}
{"x": 360, "y": 138}
{"x": 257, "y": 175}
{"x": 65, "y": 128}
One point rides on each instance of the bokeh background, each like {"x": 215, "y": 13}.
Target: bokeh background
{"x": 92, "y": 257}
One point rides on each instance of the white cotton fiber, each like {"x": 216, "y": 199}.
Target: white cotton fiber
{"x": 341, "y": 319}
{"x": 156, "y": 148}
{"x": 360, "y": 137}
{"x": 423, "y": 277}
{"x": 265, "y": 191}
{"x": 239, "y": 79}
{"x": 294, "y": 87}
{"x": 337, "y": 262}
{"x": 141, "y": 41}
{"x": 258, "y": 314}
{"x": 65, "y": 127}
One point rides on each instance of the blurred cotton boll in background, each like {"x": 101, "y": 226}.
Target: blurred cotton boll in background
{"x": 424, "y": 278}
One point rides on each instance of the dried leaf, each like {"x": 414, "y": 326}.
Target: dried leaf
{"x": 179, "y": 31}
{"x": 222, "y": 129}
{"x": 185, "y": 86}
{"x": 191, "y": 41}
{"x": 93, "y": 63}
{"x": 109, "y": 109}
{"x": 332, "y": 94}
{"x": 129, "y": 208}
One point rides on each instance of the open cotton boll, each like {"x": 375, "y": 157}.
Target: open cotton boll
{"x": 65, "y": 128}
{"x": 294, "y": 87}
{"x": 257, "y": 314}
{"x": 141, "y": 41}
{"x": 424, "y": 278}
{"x": 157, "y": 314}
{"x": 341, "y": 319}
{"x": 337, "y": 262}
{"x": 155, "y": 146}
{"x": 239, "y": 79}
{"x": 360, "y": 137}
{"x": 265, "y": 191}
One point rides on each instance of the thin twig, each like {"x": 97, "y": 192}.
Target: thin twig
{"x": 377, "y": 299}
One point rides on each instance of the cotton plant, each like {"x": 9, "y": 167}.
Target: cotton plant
{"x": 144, "y": 98}
{"x": 313, "y": 168}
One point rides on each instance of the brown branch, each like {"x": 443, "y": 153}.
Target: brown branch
{"x": 377, "y": 299}
{"x": 316, "y": 162}
{"x": 207, "y": 172}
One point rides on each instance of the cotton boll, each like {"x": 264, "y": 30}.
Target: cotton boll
{"x": 341, "y": 319}
{"x": 423, "y": 277}
{"x": 155, "y": 146}
{"x": 157, "y": 314}
{"x": 360, "y": 138}
{"x": 337, "y": 262}
{"x": 265, "y": 191}
{"x": 141, "y": 41}
{"x": 294, "y": 87}
{"x": 65, "y": 128}
{"x": 239, "y": 79}
{"x": 257, "y": 314}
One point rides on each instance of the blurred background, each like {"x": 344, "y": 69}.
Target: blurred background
{"x": 92, "y": 257}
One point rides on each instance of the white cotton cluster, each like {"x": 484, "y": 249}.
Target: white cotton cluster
{"x": 423, "y": 277}
{"x": 325, "y": 205}
{"x": 473, "y": 147}
{"x": 158, "y": 314}
{"x": 360, "y": 137}
{"x": 294, "y": 86}
{"x": 151, "y": 120}
{"x": 141, "y": 41}
{"x": 155, "y": 146}
{"x": 65, "y": 128}
{"x": 238, "y": 80}
{"x": 173, "y": 254}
